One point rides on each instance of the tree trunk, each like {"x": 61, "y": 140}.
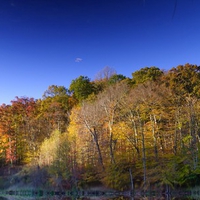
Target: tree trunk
{"x": 131, "y": 179}
{"x": 111, "y": 144}
{"x": 153, "y": 124}
{"x": 135, "y": 135}
{"x": 95, "y": 138}
{"x": 143, "y": 150}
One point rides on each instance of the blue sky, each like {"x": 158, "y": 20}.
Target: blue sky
{"x": 46, "y": 42}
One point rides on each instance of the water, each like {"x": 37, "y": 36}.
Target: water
{"x": 98, "y": 198}
{"x": 192, "y": 194}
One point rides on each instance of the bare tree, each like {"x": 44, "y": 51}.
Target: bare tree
{"x": 111, "y": 101}
{"x": 105, "y": 73}
{"x": 91, "y": 116}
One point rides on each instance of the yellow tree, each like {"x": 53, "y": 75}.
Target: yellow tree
{"x": 85, "y": 141}
{"x": 110, "y": 101}
{"x": 92, "y": 118}
{"x": 54, "y": 155}
{"x": 145, "y": 111}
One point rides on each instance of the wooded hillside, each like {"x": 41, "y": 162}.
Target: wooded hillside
{"x": 102, "y": 130}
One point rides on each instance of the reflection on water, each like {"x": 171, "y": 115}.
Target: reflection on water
{"x": 97, "y": 198}
{"x": 97, "y": 195}
{"x": 2, "y": 198}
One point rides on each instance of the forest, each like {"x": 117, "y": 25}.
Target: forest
{"x": 105, "y": 131}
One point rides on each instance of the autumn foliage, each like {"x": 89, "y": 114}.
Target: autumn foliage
{"x": 101, "y": 130}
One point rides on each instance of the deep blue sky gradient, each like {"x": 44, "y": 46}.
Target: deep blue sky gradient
{"x": 41, "y": 39}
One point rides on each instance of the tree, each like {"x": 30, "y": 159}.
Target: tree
{"x": 146, "y": 110}
{"x": 116, "y": 78}
{"x": 105, "y": 74}
{"x": 146, "y": 74}
{"x": 110, "y": 100}
{"x": 55, "y": 107}
{"x": 7, "y": 139}
{"x": 24, "y": 115}
{"x": 18, "y": 125}
{"x": 91, "y": 116}
{"x": 56, "y": 91}
{"x": 86, "y": 153}
{"x": 184, "y": 80}
{"x": 81, "y": 88}
{"x": 54, "y": 154}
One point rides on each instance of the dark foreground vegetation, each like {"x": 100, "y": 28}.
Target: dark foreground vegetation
{"x": 117, "y": 132}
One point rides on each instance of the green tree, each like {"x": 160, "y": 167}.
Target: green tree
{"x": 55, "y": 91}
{"x": 81, "y": 88}
{"x": 55, "y": 107}
{"x": 146, "y": 74}
{"x": 184, "y": 80}
{"x": 116, "y": 78}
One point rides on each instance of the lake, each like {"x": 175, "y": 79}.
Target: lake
{"x": 97, "y": 197}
